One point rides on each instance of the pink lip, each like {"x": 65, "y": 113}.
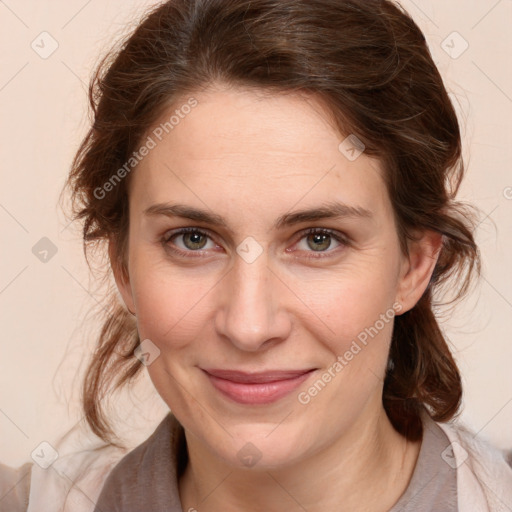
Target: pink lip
{"x": 256, "y": 388}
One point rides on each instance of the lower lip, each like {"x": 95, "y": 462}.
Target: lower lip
{"x": 260, "y": 393}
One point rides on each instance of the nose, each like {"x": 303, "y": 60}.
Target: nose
{"x": 252, "y": 312}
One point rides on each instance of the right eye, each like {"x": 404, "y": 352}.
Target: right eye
{"x": 193, "y": 240}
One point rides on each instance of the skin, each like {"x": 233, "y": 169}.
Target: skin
{"x": 251, "y": 158}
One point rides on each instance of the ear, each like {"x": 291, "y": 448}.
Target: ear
{"x": 121, "y": 277}
{"x": 417, "y": 267}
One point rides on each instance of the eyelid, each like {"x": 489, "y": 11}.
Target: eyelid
{"x": 338, "y": 236}
{"x": 183, "y": 231}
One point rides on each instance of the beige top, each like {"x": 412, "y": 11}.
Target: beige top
{"x": 146, "y": 479}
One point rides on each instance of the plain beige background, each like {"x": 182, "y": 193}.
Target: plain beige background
{"x": 46, "y": 333}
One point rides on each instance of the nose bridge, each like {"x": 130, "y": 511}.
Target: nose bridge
{"x": 250, "y": 315}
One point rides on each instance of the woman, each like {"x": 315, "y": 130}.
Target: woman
{"x": 275, "y": 183}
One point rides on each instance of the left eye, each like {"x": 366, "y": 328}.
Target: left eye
{"x": 322, "y": 239}
{"x": 192, "y": 236}
{"x": 195, "y": 240}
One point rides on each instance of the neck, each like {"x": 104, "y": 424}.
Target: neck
{"x": 369, "y": 468}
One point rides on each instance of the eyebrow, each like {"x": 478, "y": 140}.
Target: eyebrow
{"x": 331, "y": 210}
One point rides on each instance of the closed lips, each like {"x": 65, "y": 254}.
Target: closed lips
{"x": 257, "y": 377}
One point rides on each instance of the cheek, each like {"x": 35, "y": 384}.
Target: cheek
{"x": 352, "y": 302}
{"x": 171, "y": 306}
{"x": 176, "y": 304}
{"x": 360, "y": 317}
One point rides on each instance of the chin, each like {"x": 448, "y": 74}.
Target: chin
{"x": 260, "y": 446}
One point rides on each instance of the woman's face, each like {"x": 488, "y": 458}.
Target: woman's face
{"x": 249, "y": 290}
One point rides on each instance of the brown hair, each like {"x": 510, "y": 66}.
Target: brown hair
{"x": 369, "y": 63}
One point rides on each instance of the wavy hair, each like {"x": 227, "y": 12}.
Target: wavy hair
{"x": 369, "y": 63}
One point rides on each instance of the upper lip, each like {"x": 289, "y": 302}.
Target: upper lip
{"x": 256, "y": 377}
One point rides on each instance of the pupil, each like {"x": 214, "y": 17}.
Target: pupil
{"x": 194, "y": 239}
{"x": 320, "y": 238}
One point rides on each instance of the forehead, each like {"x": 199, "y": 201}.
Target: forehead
{"x": 240, "y": 148}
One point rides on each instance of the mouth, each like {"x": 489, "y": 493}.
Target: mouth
{"x": 256, "y": 387}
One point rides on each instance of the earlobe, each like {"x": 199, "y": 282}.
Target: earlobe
{"x": 121, "y": 278}
{"x": 418, "y": 267}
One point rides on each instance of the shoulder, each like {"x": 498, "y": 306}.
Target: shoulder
{"x": 484, "y": 475}
{"x": 124, "y": 474}
{"x": 137, "y": 470}
{"x": 14, "y": 487}
{"x": 135, "y": 464}
{"x": 83, "y": 470}
{"x": 71, "y": 483}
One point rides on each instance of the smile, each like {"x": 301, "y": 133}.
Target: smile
{"x": 256, "y": 388}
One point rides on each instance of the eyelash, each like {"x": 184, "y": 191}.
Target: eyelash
{"x": 316, "y": 231}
